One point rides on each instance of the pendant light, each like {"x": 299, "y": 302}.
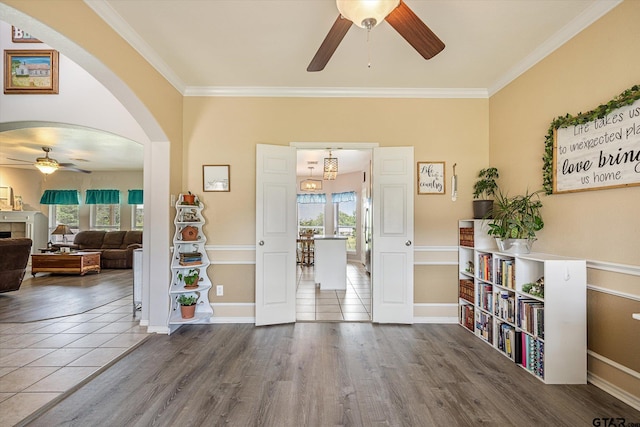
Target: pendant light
{"x": 330, "y": 167}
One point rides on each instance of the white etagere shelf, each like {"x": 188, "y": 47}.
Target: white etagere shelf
{"x": 547, "y": 336}
{"x": 189, "y": 238}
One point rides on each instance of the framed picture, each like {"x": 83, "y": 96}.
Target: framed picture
{"x": 216, "y": 178}
{"x": 431, "y": 178}
{"x": 30, "y": 72}
{"x": 19, "y": 36}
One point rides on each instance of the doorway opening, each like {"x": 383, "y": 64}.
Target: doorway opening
{"x": 337, "y": 208}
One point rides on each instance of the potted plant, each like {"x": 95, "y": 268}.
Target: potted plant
{"x": 187, "y": 305}
{"x": 483, "y": 189}
{"x": 516, "y": 220}
{"x": 190, "y": 278}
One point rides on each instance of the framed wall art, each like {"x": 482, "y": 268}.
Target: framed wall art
{"x": 431, "y": 178}
{"x": 216, "y": 178}
{"x": 30, "y": 72}
{"x": 20, "y": 36}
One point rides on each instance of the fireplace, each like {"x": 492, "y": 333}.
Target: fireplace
{"x": 5, "y": 234}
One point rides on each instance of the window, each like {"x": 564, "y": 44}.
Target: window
{"x": 104, "y": 217}
{"x": 311, "y": 217}
{"x": 137, "y": 217}
{"x": 63, "y": 214}
{"x": 345, "y": 222}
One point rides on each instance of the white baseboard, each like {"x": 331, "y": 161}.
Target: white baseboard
{"x": 217, "y": 320}
{"x": 614, "y": 391}
{"x": 158, "y": 330}
{"x": 436, "y": 319}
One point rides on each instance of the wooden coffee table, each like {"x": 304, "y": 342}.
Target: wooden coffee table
{"x": 71, "y": 263}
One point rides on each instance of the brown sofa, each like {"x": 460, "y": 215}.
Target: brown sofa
{"x": 115, "y": 247}
{"x": 14, "y": 256}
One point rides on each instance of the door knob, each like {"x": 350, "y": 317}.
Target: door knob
{"x": 261, "y": 242}
{"x": 408, "y": 243}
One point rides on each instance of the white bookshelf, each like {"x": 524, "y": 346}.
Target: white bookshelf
{"x": 550, "y": 330}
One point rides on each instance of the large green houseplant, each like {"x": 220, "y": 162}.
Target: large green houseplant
{"x": 516, "y": 220}
{"x": 484, "y": 188}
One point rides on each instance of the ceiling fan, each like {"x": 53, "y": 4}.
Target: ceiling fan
{"x": 47, "y": 165}
{"x": 369, "y": 13}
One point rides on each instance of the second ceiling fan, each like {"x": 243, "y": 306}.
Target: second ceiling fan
{"x": 369, "y": 13}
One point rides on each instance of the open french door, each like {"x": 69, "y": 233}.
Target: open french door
{"x": 392, "y": 261}
{"x": 275, "y": 234}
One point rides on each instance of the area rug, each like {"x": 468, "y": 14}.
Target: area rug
{"x": 53, "y": 296}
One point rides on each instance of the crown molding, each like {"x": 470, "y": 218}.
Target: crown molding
{"x": 119, "y": 25}
{"x": 336, "y": 92}
{"x": 566, "y": 33}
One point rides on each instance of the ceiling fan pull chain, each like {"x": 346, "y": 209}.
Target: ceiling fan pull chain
{"x": 368, "y": 47}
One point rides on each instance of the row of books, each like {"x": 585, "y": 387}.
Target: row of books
{"x": 505, "y": 306}
{"x": 484, "y": 270}
{"x": 466, "y": 316}
{"x": 465, "y": 291}
{"x": 507, "y": 340}
{"x": 466, "y": 236}
{"x": 485, "y": 296}
{"x": 530, "y": 353}
{"x": 484, "y": 326}
{"x": 190, "y": 258}
{"x": 506, "y": 273}
{"x": 531, "y": 316}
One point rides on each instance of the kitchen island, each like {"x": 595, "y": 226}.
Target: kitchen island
{"x": 330, "y": 263}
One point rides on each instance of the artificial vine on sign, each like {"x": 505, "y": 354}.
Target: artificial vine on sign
{"x": 627, "y": 97}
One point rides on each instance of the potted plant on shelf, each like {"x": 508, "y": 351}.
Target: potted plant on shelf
{"x": 483, "y": 189}
{"x": 187, "y": 305}
{"x": 190, "y": 278}
{"x": 515, "y": 221}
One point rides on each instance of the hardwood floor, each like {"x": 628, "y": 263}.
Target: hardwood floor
{"x": 325, "y": 374}
{"x": 52, "y": 296}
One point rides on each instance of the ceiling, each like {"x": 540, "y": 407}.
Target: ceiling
{"x": 263, "y": 47}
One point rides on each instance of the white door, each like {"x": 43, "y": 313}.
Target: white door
{"x": 392, "y": 261}
{"x": 275, "y": 234}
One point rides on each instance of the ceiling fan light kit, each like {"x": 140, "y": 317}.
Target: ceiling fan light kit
{"x": 369, "y": 13}
{"x": 366, "y": 13}
{"x": 45, "y": 164}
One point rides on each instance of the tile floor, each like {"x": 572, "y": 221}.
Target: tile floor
{"x": 353, "y": 304}
{"x": 40, "y": 361}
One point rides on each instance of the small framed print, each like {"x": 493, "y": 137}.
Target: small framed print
{"x": 19, "y": 36}
{"x": 30, "y": 72}
{"x": 431, "y": 178}
{"x": 216, "y": 178}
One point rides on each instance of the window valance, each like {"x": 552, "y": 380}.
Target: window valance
{"x": 102, "y": 197}
{"x": 60, "y": 197}
{"x": 136, "y": 197}
{"x": 348, "y": 196}
{"x": 312, "y": 198}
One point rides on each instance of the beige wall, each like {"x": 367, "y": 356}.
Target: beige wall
{"x": 602, "y": 226}
{"x": 226, "y": 131}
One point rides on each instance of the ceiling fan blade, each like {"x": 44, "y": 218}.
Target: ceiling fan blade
{"x": 72, "y": 168}
{"x": 330, "y": 44}
{"x": 416, "y": 32}
{"x": 19, "y": 160}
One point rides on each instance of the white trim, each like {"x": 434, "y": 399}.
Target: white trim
{"x": 336, "y": 92}
{"x": 614, "y": 391}
{"x": 230, "y": 247}
{"x": 594, "y": 12}
{"x": 435, "y": 248}
{"x": 158, "y": 330}
{"x": 334, "y": 145}
{"x": 120, "y": 26}
{"x": 438, "y": 320}
{"x": 613, "y": 292}
{"x": 232, "y": 263}
{"x": 435, "y": 263}
{"x": 614, "y": 364}
{"x": 632, "y": 270}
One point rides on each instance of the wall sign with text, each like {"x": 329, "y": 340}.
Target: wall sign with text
{"x": 595, "y": 150}
{"x": 431, "y": 178}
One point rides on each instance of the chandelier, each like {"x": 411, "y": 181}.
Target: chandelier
{"x": 311, "y": 184}
{"x": 330, "y": 167}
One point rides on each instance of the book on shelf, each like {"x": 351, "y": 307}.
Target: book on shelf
{"x": 531, "y": 316}
{"x": 505, "y": 274}
{"x": 466, "y": 236}
{"x": 189, "y": 263}
{"x": 484, "y": 270}
{"x": 505, "y": 306}
{"x": 466, "y": 290}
